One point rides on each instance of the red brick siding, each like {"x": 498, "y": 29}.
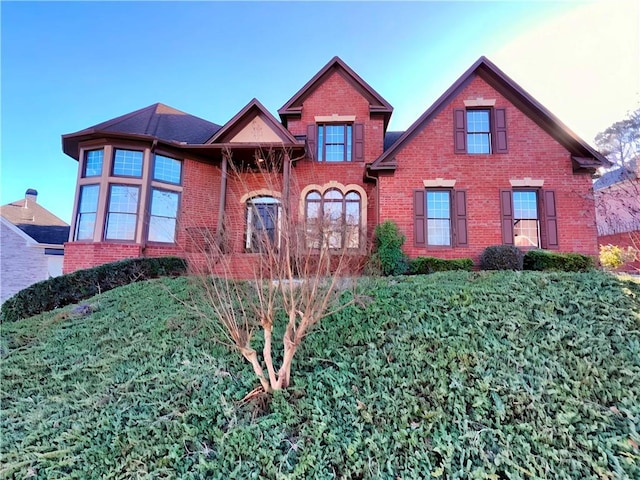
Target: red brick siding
{"x": 532, "y": 153}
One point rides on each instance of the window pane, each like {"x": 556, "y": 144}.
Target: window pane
{"x": 122, "y": 213}
{"x": 525, "y": 205}
{"x": 320, "y": 142}
{"x": 335, "y": 153}
{"x": 127, "y": 163}
{"x": 352, "y": 213}
{"x": 478, "y": 143}
{"x": 349, "y": 144}
{"x": 86, "y": 226}
{"x": 162, "y": 229}
{"x": 478, "y": 121}
{"x": 163, "y": 203}
{"x": 167, "y": 169}
{"x": 123, "y": 199}
{"x": 438, "y": 232}
{"x": 89, "y": 198}
{"x": 333, "y": 195}
{"x": 93, "y": 163}
{"x": 121, "y": 226}
{"x": 525, "y": 233}
{"x": 438, "y": 205}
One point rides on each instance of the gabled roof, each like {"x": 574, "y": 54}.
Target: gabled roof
{"x": 252, "y": 111}
{"x": 612, "y": 177}
{"x": 377, "y": 104}
{"x": 582, "y": 154}
{"x": 36, "y": 221}
{"x": 155, "y": 122}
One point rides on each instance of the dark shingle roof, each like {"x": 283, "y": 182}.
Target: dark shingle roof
{"x": 612, "y": 177}
{"x": 390, "y": 138}
{"x": 155, "y": 121}
{"x": 36, "y": 221}
{"x": 54, "y": 235}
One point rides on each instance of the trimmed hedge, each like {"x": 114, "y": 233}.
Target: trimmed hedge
{"x": 501, "y": 257}
{"x": 59, "y": 291}
{"x": 542, "y": 260}
{"x": 426, "y": 265}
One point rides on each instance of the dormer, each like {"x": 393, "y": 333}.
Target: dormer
{"x": 335, "y": 111}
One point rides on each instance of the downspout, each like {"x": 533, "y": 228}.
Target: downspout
{"x": 377, "y": 190}
{"x": 223, "y": 199}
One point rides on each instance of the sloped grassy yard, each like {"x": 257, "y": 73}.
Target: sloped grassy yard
{"x": 453, "y": 375}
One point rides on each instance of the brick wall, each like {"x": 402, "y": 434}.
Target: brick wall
{"x": 624, "y": 240}
{"x": 532, "y": 153}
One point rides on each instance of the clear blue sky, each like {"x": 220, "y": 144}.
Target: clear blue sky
{"x": 67, "y": 66}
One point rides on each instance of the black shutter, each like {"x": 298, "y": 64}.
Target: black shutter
{"x": 311, "y": 141}
{"x": 460, "y": 130}
{"x": 419, "y": 219}
{"x": 460, "y": 223}
{"x": 500, "y": 130}
{"x": 506, "y": 208}
{"x": 359, "y": 142}
{"x": 550, "y": 234}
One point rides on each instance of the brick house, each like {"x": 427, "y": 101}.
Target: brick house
{"x": 485, "y": 164}
{"x": 617, "y": 198}
{"x": 31, "y": 244}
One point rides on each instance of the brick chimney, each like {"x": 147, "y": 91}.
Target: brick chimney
{"x": 31, "y": 195}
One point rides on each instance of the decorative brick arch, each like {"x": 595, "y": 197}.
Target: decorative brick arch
{"x": 344, "y": 189}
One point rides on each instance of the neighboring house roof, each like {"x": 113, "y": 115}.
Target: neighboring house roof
{"x": 390, "y": 138}
{"x": 252, "y": 111}
{"x": 582, "y": 154}
{"x": 377, "y": 104}
{"x": 612, "y": 177}
{"x": 36, "y": 221}
{"x": 155, "y": 122}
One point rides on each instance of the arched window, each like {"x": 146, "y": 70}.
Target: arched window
{"x": 264, "y": 216}
{"x": 333, "y": 217}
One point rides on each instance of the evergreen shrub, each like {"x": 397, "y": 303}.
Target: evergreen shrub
{"x": 426, "y": 265}
{"x": 543, "y": 260}
{"x": 501, "y": 257}
{"x": 59, "y": 291}
{"x": 388, "y": 254}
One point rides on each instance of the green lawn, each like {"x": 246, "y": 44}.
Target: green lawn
{"x": 453, "y": 375}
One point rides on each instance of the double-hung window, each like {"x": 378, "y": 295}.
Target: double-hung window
{"x": 440, "y": 217}
{"x": 335, "y": 142}
{"x": 122, "y": 212}
{"x": 526, "y": 224}
{"x": 87, "y": 210}
{"x": 480, "y": 130}
{"x": 529, "y": 218}
{"x": 162, "y": 218}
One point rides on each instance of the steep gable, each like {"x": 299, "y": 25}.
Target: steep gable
{"x": 377, "y": 104}
{"x": 582, "y": 154}
{"x": 255, "y": 125}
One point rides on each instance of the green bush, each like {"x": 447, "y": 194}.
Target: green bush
{"x": 542, "y": 260}
{"x": 59, "y": 291}
{"x": 388, "y": 254}
{"x": 613, "y": 256}
{"x": 425, "y": 265}
{"x": 501, "y": 257}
